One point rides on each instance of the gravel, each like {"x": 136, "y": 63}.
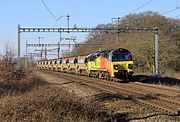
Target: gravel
{"x": 119, "y": 107}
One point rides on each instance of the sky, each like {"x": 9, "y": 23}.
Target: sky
{"x": 83, "y": 13}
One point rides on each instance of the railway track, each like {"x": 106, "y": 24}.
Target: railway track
{"x": 141, "y": 93}
{"x": 169, "y": 95}
{"x": 167, "y": 91}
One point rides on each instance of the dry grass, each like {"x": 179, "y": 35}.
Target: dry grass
{"x": 12, "y": 81}
{"x": 26, "y": 98}
{"x": 49, "y": 103}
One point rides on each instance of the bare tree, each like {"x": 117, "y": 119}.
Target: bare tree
{"x": 7, "y": 65}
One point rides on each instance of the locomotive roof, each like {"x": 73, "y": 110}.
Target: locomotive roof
{"x": 95, "y": 53}
{"x": 109, "y": 51}
{"x": 119, "y": 50}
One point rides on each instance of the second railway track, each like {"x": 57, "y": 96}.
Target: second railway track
{"x": 140, "y": 94}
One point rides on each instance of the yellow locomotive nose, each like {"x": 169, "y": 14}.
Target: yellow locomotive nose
{"x": 119, "y": 66}
{"x": 122, "y": 69}
{"x": 116, "y": 67}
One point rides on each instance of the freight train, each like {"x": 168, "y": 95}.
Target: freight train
{"x": 108, "y": 64}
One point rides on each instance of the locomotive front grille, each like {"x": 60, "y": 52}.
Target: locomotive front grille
{"x": 120, "y": 73}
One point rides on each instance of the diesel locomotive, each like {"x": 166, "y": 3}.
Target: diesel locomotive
{"x": 108, "y": 64}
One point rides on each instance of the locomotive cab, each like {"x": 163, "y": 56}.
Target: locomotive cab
{"x": 121, "y": 63}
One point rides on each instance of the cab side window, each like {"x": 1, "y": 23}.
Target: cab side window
{"x": 109, "y": 57}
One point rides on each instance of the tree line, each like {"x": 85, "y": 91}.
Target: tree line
{"x": 140, "y": 44}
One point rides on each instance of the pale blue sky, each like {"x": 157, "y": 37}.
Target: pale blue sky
{"x": 83, "y": 13}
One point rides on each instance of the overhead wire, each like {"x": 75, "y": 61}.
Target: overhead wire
{"x": 56, "y": 18}
{"x": 177, "y": 15}
{"x": 59, "y": 19}
{"x": 177, "y": 7}
{"x": 142, "y": 6}
{"x": 171, "y": 10}
{"x": 49, "y": 11}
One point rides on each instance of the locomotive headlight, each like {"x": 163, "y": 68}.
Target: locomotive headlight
{"x": 130, "y": 66}
{"x": 115, "y": 67}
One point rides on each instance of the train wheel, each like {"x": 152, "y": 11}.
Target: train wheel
{"x": 108, "y": 77}
{"x": 100, "y": 75}
{"x": 125, "y": 76}
{"x": 90, "y": 74}
{"x": 94, "y": 75}
{"x": 80, "y": 72}
{"x": 86, "y": 73}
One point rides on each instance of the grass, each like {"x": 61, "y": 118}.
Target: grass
{"x": 33, "y": 99}
{"x": 24, "y": 97}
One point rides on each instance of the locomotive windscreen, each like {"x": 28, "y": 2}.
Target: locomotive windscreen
{"x": 121, "y": 56}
